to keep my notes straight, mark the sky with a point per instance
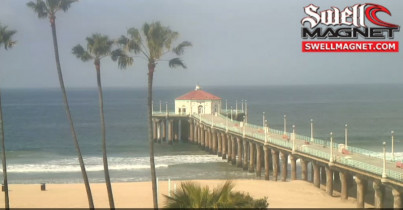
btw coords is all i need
(235, 42)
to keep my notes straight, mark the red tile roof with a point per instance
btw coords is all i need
(198, 95)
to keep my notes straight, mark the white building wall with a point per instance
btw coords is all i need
(193, 106)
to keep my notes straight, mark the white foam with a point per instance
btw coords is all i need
(115, 163)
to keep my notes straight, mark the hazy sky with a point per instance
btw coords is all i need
(235, 42)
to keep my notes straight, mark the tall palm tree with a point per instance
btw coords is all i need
(98, 47)
(7, 42)
(153, 44)
(49, 8)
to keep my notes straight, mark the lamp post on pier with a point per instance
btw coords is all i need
(166, 109)
(384, 161)
(243, 127)
(345, 136)
(246, 110)
(293, 139)
(311, 129)
(393, 144)
(331, 148)
(231, 113)
(160, 106)
(242, 104)
(236, 107)
(285, 125)
(265, 132)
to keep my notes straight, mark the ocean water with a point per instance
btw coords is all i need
(40, 147)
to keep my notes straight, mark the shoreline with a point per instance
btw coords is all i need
(290, 194)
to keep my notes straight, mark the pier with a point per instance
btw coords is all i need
(266, 152)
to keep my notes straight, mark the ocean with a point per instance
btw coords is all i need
(40, 147)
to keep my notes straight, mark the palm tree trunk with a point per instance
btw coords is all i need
(66, 104)
(151, 67)
(105, 158)
(3, 154)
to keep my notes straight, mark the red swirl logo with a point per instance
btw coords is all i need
(371, 11)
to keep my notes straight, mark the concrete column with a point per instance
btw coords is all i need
(224, 145)
(258, 160)
(159, 131)
(199, 135)
(322, 175)
(251, 157)
(379, 190)
(360, 191)
(284, 163)
(276, 163)
(190, 130)
(171, 130)
(316, 175)
(154, 129)
(344, 188)
(266, 162)
(329, 181)
(397, 198)
(164, 130)
(245, 155)
(293, 160)
(207, 140)
(179, 130)
(214, 140)
(304, 169)
(229, 148)
(233, 150)
(219, 143)
(239, 144)
(203, 137)
(176, 134)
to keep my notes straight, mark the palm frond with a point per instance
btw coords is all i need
(99, 45)
(176, 62)
(6, 37)
(122, 58)
(65, 4)
(82, 54)
(179, 50)
(39, 8)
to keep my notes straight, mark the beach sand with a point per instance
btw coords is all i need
(292, 194)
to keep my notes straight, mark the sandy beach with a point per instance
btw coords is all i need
(292, 194)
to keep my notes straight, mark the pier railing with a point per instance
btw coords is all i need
(257, 133)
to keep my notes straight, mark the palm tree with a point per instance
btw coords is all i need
(154, 43)
(7, 42)
(48, 8)
(191, 195)
(98, 47)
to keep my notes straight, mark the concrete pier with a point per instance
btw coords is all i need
(304, 169)
(214, 139)
(171, 130)
(251, 167)
(229, 148)
(239, 160)
(379, 191)
(233, 149)
(284, 164)
(258, 160)
(276, 162)
(293, 160)
(266, 162)
(224, 145)
(361, 185)
(316, 175)
(344, 188)
(219, 143)
(397, 198)
(245, 155)
(329, 181)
